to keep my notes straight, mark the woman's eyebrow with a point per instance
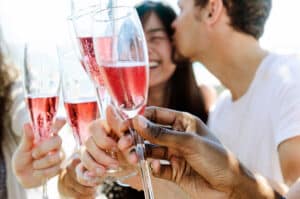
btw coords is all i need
(152, 30)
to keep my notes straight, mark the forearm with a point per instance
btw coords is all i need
(163, 189)
(254, 187)
(167, 190)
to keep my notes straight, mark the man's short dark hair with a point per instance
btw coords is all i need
(247, 16)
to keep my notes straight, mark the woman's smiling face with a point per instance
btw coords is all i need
(159, 50)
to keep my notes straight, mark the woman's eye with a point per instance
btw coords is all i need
(157, 38)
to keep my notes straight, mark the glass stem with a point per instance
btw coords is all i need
(143, 165)
(45, 193)
(101, 103)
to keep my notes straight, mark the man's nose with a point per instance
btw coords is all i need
(174, 24)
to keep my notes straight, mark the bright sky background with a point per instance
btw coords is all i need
(20, 18)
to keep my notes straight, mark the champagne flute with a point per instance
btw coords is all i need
(121, 55)
(81, 25)
(79, 95)
(42, 84)
(81, 22)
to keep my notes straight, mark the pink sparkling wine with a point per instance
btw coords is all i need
(89, 60)
(42, 113)
(80, 114)
(127, 85)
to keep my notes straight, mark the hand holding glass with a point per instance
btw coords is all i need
(41, 83)
(121, 54)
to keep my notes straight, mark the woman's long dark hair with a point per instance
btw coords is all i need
(5, 98)
(183, 93)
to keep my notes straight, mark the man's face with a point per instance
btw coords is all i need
(190, 32)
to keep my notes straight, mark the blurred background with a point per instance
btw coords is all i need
(46, 20)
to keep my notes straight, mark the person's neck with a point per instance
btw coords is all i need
(235, 63)
(156, 96)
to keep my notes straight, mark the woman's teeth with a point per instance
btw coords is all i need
(153, 64)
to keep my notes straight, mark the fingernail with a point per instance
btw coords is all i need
(90, 174)
(87, 176)
(142, 122)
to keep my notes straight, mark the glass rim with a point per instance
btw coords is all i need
(110, 8)
(84, 12)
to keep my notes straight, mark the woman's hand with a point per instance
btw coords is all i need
(34, 164)
(96, 155)
(69, 186)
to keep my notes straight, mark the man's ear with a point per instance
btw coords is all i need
(214, 9)
(211, 12)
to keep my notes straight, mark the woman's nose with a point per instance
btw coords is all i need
(150, 48)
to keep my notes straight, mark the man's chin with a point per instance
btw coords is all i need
(179, 55)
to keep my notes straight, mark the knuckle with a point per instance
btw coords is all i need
(52, 159)
(151, 113)
(46, 173)
(48, 160)
(106, 145)
(93, 126)
(55, 171)
(98, 134)
(103, 146)
(35, 164)
(94, 130)
(37, 152)
(155, 131)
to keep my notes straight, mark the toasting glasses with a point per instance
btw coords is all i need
(81, 20)
(41, 83)
(121, 55)
(79, 96)
(81, 23)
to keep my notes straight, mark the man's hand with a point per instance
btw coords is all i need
(199, 164)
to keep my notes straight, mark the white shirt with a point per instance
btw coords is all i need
(253, 126)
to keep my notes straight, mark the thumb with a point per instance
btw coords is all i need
(157, 134)
(27, 138)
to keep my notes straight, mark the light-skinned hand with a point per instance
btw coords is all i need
(33, 164)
